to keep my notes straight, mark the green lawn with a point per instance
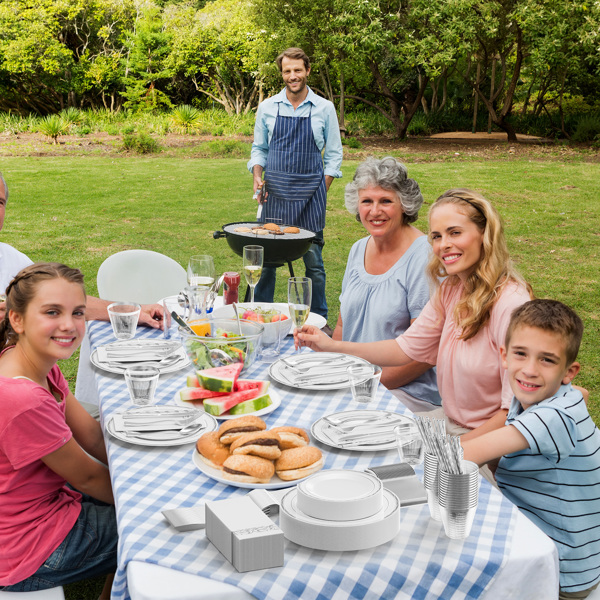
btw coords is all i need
(82, 209)
(79, 210)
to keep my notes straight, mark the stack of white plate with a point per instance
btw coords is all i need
(339, 510)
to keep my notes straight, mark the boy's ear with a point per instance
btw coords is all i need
(503, 356)
(571, 373)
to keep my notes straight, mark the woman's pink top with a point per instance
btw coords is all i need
(471, 380)
(37, 509)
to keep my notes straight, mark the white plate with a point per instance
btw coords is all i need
(319, 430)
(217, 475)
(280, 372)
(210, 422)
(339, 536)
(313, 318)
(275, 403)
(183, 360)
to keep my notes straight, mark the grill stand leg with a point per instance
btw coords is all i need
(248, 294)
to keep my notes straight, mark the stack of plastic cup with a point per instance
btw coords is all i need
(458, 495)
(430, 482)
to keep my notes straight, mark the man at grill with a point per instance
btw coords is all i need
(297, 145)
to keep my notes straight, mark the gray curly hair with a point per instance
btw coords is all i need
(389, 174)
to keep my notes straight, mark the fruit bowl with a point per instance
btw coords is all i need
(222, 344)
(246, 308)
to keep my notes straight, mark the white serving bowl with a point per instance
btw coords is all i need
(270, 329)
(340, 495)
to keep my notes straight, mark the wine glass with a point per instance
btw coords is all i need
(201, 270)
(253, 264)
(201, 276)
(299, 298)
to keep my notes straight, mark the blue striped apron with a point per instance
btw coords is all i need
(295, 176)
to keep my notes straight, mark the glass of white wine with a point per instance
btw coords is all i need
(299, 299)
(253, 264)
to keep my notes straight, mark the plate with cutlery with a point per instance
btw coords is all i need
(160, 425)
(167, 356)
(314, 370)
(361, 430)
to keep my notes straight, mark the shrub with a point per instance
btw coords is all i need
(185, 117)
(588, 128)
(52, 126)
(72, 116)
(142, 143)
(351, 142)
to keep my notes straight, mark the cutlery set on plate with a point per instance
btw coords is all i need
(366, 429)
(159, 423)
(133, 352)
(325, 370)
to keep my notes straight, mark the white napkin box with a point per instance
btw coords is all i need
(244, 535)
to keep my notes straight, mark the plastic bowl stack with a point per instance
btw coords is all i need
(339, 510)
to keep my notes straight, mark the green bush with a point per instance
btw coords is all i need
(588, 128)
(52, 126)
(141, 143)
(351, 142)
(185, 117)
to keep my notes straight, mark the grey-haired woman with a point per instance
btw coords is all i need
(385, 286)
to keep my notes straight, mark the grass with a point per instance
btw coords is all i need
(80, 210)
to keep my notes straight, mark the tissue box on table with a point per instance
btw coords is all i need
(245, 536)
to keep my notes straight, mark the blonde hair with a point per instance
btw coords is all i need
(494, 270)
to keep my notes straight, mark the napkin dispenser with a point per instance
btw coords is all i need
(243, 534)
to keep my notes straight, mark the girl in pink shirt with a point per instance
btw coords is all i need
(57, 519)
(462, 327)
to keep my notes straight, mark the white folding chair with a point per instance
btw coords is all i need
(55, 593)
(140, 276)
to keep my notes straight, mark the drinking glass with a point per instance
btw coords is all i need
(201, 276)
(253, 264)
(299, 298)
(201, 271)
(124, 319)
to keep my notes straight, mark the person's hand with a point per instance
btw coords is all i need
(151, 315)
(312, 337)
(2, 310)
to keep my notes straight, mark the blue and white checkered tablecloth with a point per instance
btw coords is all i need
(421, 562)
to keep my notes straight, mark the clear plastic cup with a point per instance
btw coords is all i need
(124, 319)
(364, 380)
(141, 382)
(409, 444)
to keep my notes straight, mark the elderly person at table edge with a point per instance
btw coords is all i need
(292, 129)
(385, 286)
(12, 261)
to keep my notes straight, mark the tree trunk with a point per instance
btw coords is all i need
(342, 121)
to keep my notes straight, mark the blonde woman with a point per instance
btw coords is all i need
(463, 326)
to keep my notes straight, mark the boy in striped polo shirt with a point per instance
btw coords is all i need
(549, 448)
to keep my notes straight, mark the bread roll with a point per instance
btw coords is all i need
(291, 437)
(260, 443)
(232, 429)
(211, 450)
(245, 468)
(297, 463)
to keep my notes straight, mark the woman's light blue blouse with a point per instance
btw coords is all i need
(381, 307)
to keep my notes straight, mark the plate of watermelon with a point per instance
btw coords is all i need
(222, 393)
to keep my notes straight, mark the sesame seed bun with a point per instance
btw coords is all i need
(291, 437)
(245, 468)
(297, 463)
(232, 429)
(260, 443)
(211, 450)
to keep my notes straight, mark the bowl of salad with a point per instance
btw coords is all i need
(263, 313)
(217, 342)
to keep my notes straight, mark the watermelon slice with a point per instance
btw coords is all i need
(250, 406)
(217, 406)
(198, 393)
(248, 384)
(220, 379)
(192, 381)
